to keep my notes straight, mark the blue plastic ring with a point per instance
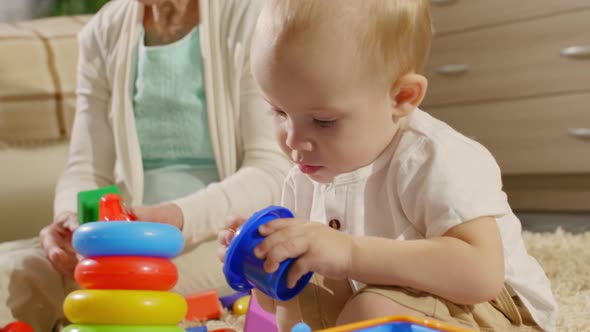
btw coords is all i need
(128, 238)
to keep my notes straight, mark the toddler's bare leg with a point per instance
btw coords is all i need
(366, 306)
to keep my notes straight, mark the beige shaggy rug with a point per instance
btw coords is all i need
(566, 259)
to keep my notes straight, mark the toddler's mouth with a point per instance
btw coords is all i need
(309, 169)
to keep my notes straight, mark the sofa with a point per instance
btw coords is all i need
(38, 61)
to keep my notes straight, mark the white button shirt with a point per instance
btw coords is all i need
(428, 180)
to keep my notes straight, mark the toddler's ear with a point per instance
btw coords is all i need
(407, 93)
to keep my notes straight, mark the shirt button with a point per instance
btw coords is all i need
(335, 224)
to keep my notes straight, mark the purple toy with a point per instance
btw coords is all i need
(258, 320)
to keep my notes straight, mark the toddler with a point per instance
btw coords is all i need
(398, 213)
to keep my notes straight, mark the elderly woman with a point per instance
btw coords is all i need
(167, 110)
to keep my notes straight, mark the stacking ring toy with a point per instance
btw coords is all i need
(124, 307)
(244, 271)
(122, 328)
(128, 238)
(126, 272)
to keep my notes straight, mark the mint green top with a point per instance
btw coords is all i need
(171, 119)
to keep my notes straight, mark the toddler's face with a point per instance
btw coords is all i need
(327, 118)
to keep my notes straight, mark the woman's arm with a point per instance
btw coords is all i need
(465, 265)
(258, 181)
(91, 159)
(261, 165)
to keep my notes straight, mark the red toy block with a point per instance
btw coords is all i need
(203, 305)
(112, 208)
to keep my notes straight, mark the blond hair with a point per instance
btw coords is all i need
(392, 36)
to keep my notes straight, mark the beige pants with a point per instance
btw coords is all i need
(320, 303)
(33, 292)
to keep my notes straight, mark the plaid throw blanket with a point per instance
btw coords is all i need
(38, 79)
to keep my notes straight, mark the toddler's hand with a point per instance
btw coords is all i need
(317, 247)
(56, 241)
(225, 236)
(168, 213)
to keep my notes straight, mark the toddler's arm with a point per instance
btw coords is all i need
(465, 265)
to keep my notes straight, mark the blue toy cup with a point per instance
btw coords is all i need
(244, 271)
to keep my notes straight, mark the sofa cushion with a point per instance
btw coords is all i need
(27, 179)
(38, 78)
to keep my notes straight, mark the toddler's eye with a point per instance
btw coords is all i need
(324, 123)
(279, 113)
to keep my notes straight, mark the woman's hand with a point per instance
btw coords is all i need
(168, 213)
(226, 235)
(56, 241)
(316, 247)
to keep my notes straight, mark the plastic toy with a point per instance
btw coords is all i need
(258, 320)
(122, 328)
(197, 329)
(124, 307)
(17, 326)
(88, 203)
(126, 272)
(243, 270)
(301, 327)
(128, 239)
(203, 305)
(240, 307)
(112, 208)
(390, 324)
(227, 301)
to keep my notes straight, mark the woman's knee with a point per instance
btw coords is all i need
(31, 289)
(366, 305)
(23, 255)
(200, 270)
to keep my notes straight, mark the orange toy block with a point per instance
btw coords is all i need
(203, 306)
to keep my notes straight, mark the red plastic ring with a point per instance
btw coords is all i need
(126, 272)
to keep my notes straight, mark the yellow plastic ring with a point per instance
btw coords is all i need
(122, 328)
(125, 307)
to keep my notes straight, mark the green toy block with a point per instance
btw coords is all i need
(88, 203)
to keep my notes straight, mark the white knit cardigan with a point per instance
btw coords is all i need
(104, 146)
